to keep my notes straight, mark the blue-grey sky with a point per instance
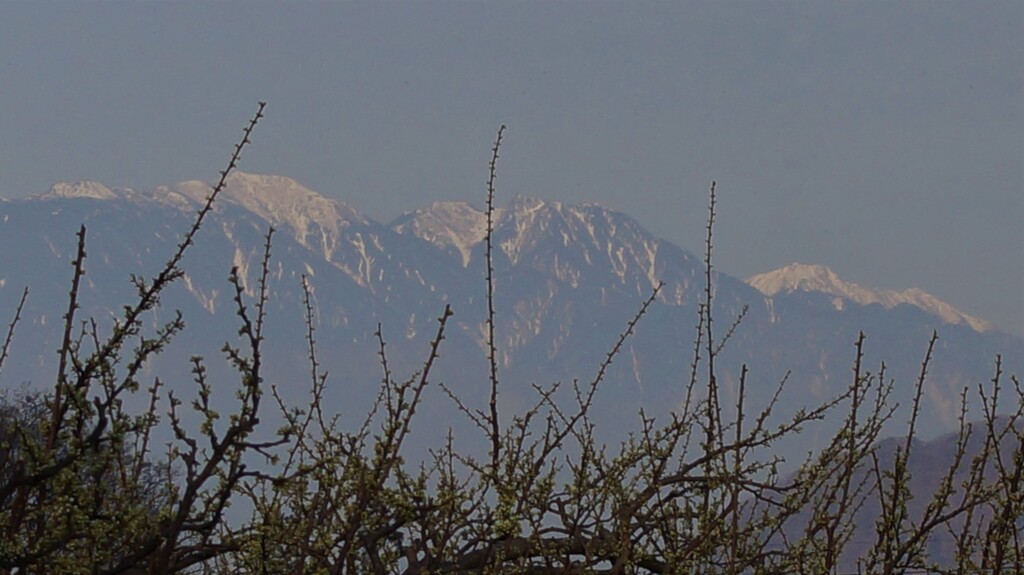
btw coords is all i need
(885, 140)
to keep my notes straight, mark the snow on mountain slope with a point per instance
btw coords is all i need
(817, 278)
(340, 234)
(83, 189)
(329, 227)
(444, 224)
(578, 244)
(566, 240)
(282, 202)
(603, 238)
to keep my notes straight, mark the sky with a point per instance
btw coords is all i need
(884, 140)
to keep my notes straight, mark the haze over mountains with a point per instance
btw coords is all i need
(568, 279)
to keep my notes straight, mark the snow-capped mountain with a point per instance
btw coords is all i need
(84, 189)
(455, 225)
(817, 278)
(602, 238)
(281, 201)
(568, 280)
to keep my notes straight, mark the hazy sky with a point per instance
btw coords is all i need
(885, 140)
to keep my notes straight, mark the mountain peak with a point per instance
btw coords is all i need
(806, 277)
(80, 189)
(820, 279)
(444, 224)
(529, 204)
(279, 200)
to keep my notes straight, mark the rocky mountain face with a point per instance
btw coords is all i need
(568, 278)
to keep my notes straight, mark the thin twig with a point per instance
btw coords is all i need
(10, 328)
(492, 352)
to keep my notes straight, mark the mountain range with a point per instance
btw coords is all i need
(568, 278)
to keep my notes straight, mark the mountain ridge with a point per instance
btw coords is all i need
(568, 279)
(821, 279)
(316, 221)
